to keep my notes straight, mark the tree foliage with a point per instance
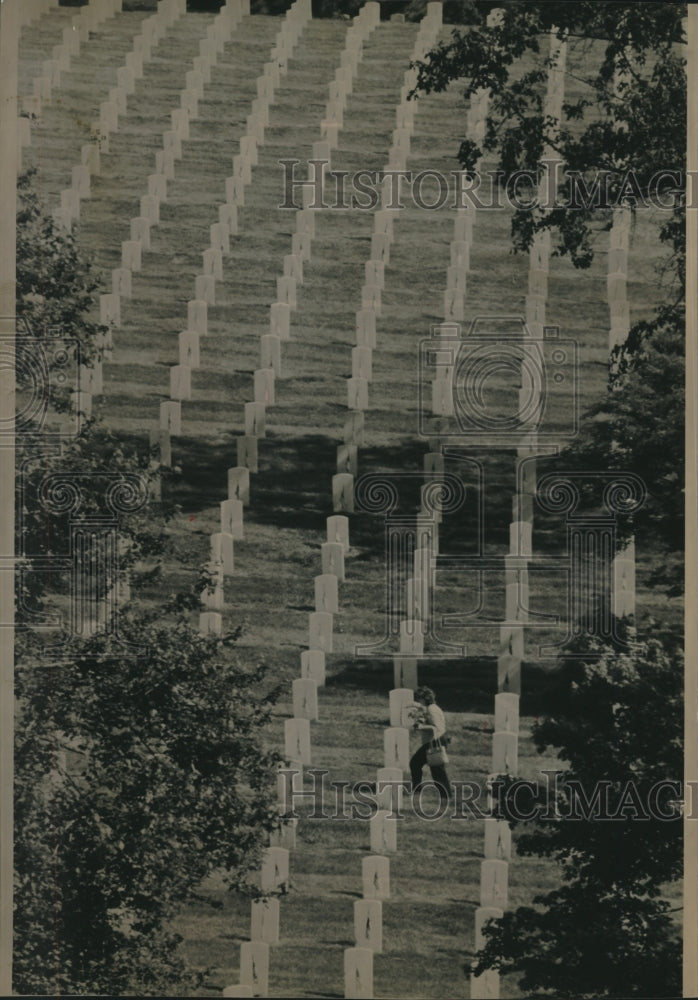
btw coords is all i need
(56, 283)
(140, 759)
(629, 122)
(607, 930)
(632, 122)
(139, 771)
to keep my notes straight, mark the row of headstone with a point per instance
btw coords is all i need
(152, 30)
(50, 76)
(371, 292)
(88, 19)
(170, 421)
(497, 852)
(210, 48)
(220, 232)
(297, 740)
(476, 118)
(358, 960)
(368, 925)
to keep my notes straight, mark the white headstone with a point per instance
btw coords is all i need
(506, 713)
(497, 840)
(164, 164)
(511, 641)
(293, 267)
(297, 739)
(509, 673)
(157, 186)
(301, 245)
(400, 700)
(286, 291)
(228, 218)
(494, 877)
(180, 382)
(210, 623)
(343, 492)
(357, 394)
(280, 320)
(121, 282)
(239, 484)
(247, 453)
(89, 156)
(313, 666)
(189, 348)
(333, 559)
(338, 530)
(505, 753)
(375, 876)
(232, 518)
(265, 920)
(197, 316)
(396, 747)
(220, 239)
(131, 255)
(205, 288)
(371, 298)
(389, 788)
(254, 966)
(383, 831)
(110, 310)
(140, 230)
(235, 191)
(362, 363)
(222, 551)
(358, 973)
(368, 924)
(366, 328)
(172, 141)
(270, 352)
(285, 834)
(213, 262)
(264, 386)
(305, 703)
(289, 782)
(274, 871)
(171, 417)
(326, 593)
(320, 631)
(380, 247)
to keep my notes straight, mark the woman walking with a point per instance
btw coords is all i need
(431, 724)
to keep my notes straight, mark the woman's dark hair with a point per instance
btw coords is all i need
(425, 695)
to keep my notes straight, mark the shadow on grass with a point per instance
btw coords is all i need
(460, 685)
(293, 488)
